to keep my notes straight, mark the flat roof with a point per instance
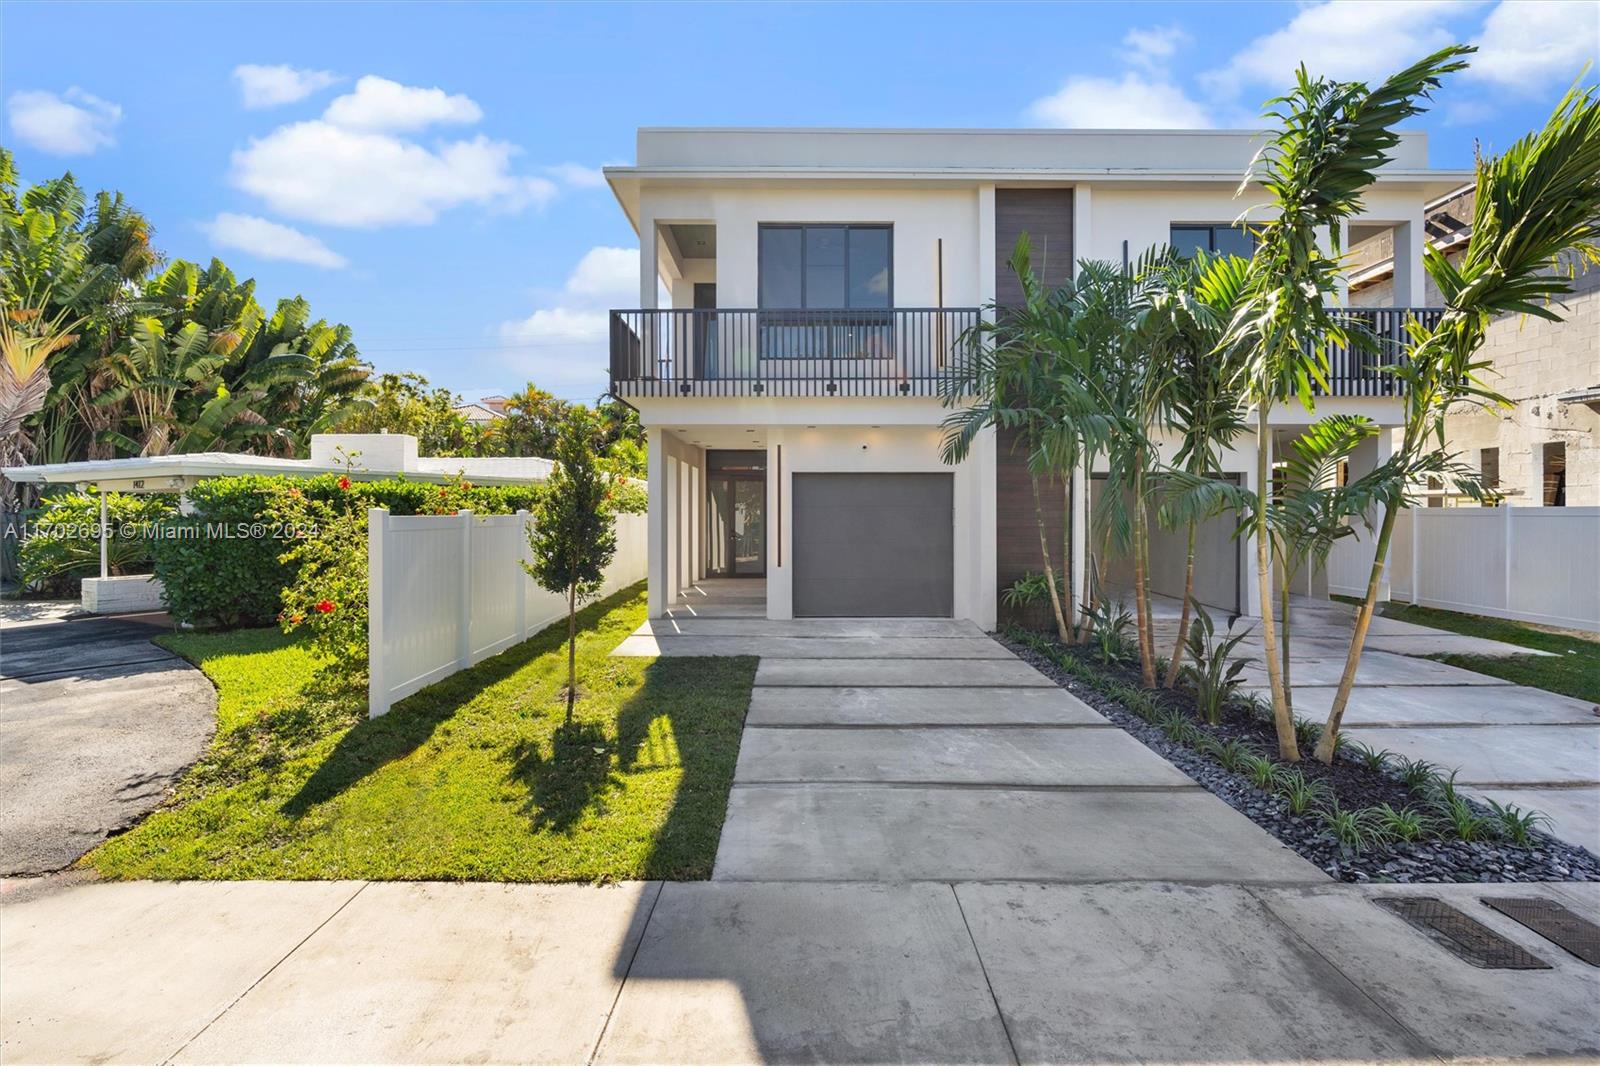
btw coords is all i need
(764, 153)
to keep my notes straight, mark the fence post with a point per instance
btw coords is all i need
(1416, 567)
(377, 674)
(464, 619)
(522, 578)
(1505, 505)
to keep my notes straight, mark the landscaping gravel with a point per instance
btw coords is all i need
(1432, 860)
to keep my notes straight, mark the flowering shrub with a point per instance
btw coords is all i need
(328, 594)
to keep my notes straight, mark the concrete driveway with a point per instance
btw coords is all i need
(96, 724)
(896, 750)
(1511, 743)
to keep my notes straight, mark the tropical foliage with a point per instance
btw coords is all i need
(111, 351)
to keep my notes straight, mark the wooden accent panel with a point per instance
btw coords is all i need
(1016, 526)
(1046, 216)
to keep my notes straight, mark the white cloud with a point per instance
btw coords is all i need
(1153, 46)
(564, 344)
(352, 168)
(270, 86)
(1527, 45)
(381, 104)
(1346, 39)
(577, 175)
(1134, 101)
(72, 123)
(269, 240)
(606, 274)
(323, 173)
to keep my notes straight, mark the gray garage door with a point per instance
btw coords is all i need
(873, 545)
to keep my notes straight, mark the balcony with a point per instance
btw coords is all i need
(901, 352)
(1357, 373)
(722, 352)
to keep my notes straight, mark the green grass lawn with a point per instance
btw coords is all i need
(475, 778)
(1573, 669)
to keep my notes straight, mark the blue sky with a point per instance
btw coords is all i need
(429, 174)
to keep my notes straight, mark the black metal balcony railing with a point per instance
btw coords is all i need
(1353, 370)
(899, 352)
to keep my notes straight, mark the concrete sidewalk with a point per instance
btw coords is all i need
(764, 972)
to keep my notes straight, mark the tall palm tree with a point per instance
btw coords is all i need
(1536, 202)
(1207, 409)
(1018, 373)
(1332, 139)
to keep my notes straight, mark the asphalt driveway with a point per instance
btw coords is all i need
(96, 723)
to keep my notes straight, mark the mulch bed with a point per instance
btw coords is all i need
(1353, 784)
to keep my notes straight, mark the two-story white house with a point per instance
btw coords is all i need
(819, 281)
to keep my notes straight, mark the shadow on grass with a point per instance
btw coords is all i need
(373, 743)
(686, 715)
(562, 785)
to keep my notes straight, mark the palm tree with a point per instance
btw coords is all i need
(1535, 203)
(1333, 138)
(1207, 410)
(1131, 375)
(1017, 374)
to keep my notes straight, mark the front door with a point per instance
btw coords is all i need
(736, 513)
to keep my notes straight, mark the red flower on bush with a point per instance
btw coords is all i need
(323, 607)
(294, 494)
(443, 491)
(344, 482)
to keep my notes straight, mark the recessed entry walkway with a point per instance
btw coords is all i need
(897, 750)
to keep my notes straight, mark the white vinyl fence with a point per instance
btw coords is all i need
(1531, 564)
(445, 592)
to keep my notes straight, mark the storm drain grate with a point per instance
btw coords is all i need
(1554, 922)
(1466, 937)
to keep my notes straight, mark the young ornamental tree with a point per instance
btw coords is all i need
(572, 535)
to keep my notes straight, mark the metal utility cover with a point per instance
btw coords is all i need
(1554, 922)
(1467, 938)
(874, 545)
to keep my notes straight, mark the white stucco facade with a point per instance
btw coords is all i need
(937, 190)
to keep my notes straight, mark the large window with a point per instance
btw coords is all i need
(825, 266)
(1188, 238)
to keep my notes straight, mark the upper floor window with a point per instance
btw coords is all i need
(825, 266)
(1218, 239)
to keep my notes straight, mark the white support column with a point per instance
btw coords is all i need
(649, 286)
(105, 533)
(377, 674)
(669, 509)
(656, 520)
(1409, 290)
(986, 249)
(1082, 230)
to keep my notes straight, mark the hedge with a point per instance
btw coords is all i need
(63, 544)
(223, 563)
